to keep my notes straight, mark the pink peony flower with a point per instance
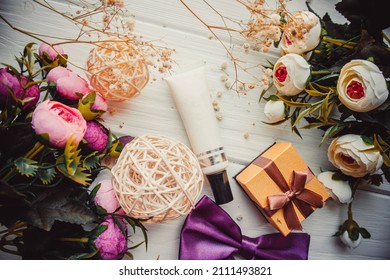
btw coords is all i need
(96, 136)
(52, 52)
(9, 81)
(59, 121)
(92, 105)
(106, 198)
(111, 243)
(100, 103)
(67, 83)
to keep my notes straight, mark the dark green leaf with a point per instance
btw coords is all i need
(131, 222)
(339, 176)
(264, 91)
(367, 140)
(94, 192)
(91, 161)
(100, 210)
(364, 233)
(119, 224)
(136, 246)
(327, 77)
(375, 179)
(46, 173)
(58, 205)
(26, 167)
(98, 230)
(331, 132)
(84, 256)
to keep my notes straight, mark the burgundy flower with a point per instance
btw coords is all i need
(96, 136)
(112, 243)
(8, 81)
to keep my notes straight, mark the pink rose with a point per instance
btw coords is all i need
(96, 136)
(52, 52)
(106, 198)
(8, 81)
(111, 243)
(59, 121)
(67, 83)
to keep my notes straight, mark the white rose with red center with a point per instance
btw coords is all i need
(350, 154)
(301, 34)
(290, 75)
(361, 86)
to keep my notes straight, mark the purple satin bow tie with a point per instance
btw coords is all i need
(209, 233)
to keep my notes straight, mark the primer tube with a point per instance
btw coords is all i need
(193, 102)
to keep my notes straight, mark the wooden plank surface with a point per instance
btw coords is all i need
(168, 22)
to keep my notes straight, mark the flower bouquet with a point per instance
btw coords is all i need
(328, 76)
(335, 78)
(53, 145)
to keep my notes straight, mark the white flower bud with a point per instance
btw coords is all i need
(339, 190)
(274, 110)
(349, 242)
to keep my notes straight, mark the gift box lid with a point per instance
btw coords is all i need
(258, 185)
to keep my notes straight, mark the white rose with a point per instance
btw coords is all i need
(361, 86)
(347, 154)
(339, 190)
(344, 237)
(302, 33)
(274, 110)
(290, 74)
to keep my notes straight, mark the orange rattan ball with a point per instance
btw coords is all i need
(117, 70)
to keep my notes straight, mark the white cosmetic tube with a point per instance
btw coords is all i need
(193, 102)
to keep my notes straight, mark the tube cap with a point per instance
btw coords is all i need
(220, 186)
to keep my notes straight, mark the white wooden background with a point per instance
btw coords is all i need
(168, 22)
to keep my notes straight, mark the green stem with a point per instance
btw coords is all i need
(321, 72)
(340, 43)
(38, 147)
(350, 212)
(74, 239)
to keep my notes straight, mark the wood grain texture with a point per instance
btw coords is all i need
(168, 22)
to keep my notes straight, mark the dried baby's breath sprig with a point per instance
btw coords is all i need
(259, 33)
(101, 21)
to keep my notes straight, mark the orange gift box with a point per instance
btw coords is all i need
(283, 187)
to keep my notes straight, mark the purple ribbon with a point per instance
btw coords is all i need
(209, 233)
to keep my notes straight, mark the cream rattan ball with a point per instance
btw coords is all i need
(157, 177)
(117, 70)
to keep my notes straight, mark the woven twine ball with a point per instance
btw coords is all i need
(158, 178)
(117, 70)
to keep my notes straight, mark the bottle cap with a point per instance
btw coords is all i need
(220, 186)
